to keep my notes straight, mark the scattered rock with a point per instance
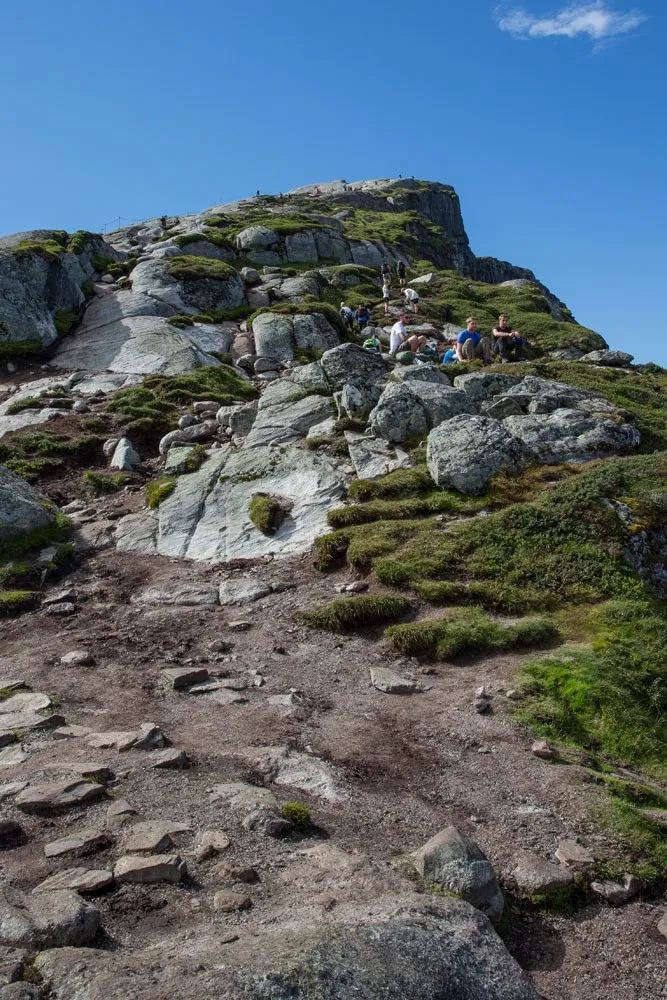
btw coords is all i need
(28, 702)
(11, 789)
(60, 796)
(242, 591)
(172, 759)
(78, 879)
(268, 823)
(57, 920)
(70, 732)
(146, 870)
(542, 749)
(456, 863)
(62, 608)
(81, 843)
(234, 873)
(662, 925)
(125, 458)
(615, 893)
(78, 658)
(391, 683)
(119, 813)
(211, 842)
(611, 359)
(231, 902)
(239, 625)
(573, 855)
(182, 677)
(482, 702)
(154, 836)
(536, 877)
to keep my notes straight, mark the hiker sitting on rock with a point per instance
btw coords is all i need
(363, 316)
(411, 299)
(506, 341)
(346, 315)
(400, 342)
(470, 343)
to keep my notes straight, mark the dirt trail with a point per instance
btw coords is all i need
(405, 766)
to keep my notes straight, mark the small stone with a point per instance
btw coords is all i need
(58, 797)
(482, 701)
(615, 893)
(268, 824)
(119, 813)
(236, 874)
(80, 407)
(172, 758)
(211, 842)
(513, 695)
(81, 843)
(662, 925)
(79, 879)
(11, 833)
(535, 876)
(544, 750)
(146, 870)
(240, 625)
(182, 677)
(285, 700)
(220, 646)
(62, 608)
(389, 682)
(78, 658)
(573, 855)
(231, 902)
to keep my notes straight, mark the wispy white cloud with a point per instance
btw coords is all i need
(596, 20)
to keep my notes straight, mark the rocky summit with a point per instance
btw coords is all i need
(326, 670)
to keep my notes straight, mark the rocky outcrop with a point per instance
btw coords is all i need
(279, 336)
(411, 408)
(41, 279)
(465, 452)
(22, 509)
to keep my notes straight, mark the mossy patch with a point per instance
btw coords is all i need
(13, 602)
(102, 483)
(187, 268)
(66, 322)
(40, 453)
(469, 630)
(266, 513)
(158, 490)
(297, 813)
(15, 349)
(357, 612)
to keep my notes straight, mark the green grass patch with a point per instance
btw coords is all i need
(469, 630)
(102, 483)
(397, 510)
(210, 235)
(13, 602)
(49, 249)
(66, 322)
(184, 320)
(297, 813)
(402, 483)
(15, 349)
(158, 490)
(16, 547)
(356, 612)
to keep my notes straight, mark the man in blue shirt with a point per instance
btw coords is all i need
(470, 343)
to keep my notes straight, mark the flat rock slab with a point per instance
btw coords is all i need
(185, 594)
(12, 755)
(242, 591)
(243, 798)
(60, 796)
(28, 701)
(154, 836)
(146, 870)
(147, 737)
(303, 771)
(172, 758)
(535, 876)
(119, 813)
(11, 788)
(29, 721)
(573, 855)
(182, 677)
(78, 879)
(391, 683)
(373, 457)
(55, 920)
(83, 842)
(70, 732)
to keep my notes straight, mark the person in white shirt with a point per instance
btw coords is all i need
(411, 299)
(400, 340)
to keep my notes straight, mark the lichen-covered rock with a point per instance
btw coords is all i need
(289, 420)
(482, 385)
(22, 509)
(188, 288)
(466, 451)
(278, 336)
(609, 359)
(398, 415)
(351, 363)
(571, 435)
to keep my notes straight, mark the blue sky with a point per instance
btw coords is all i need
(548, 119)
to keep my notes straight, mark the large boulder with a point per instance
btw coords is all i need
(256, 238)
(22, 509)
(465, 452)
(351, 363)
(456, 863)
(410, 409)
(49, 920)
(39, 278)
(289, 420)
(483, 385)
(279, 336)
(190, 284)
(571, 435)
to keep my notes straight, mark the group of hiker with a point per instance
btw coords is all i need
(470, 344)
